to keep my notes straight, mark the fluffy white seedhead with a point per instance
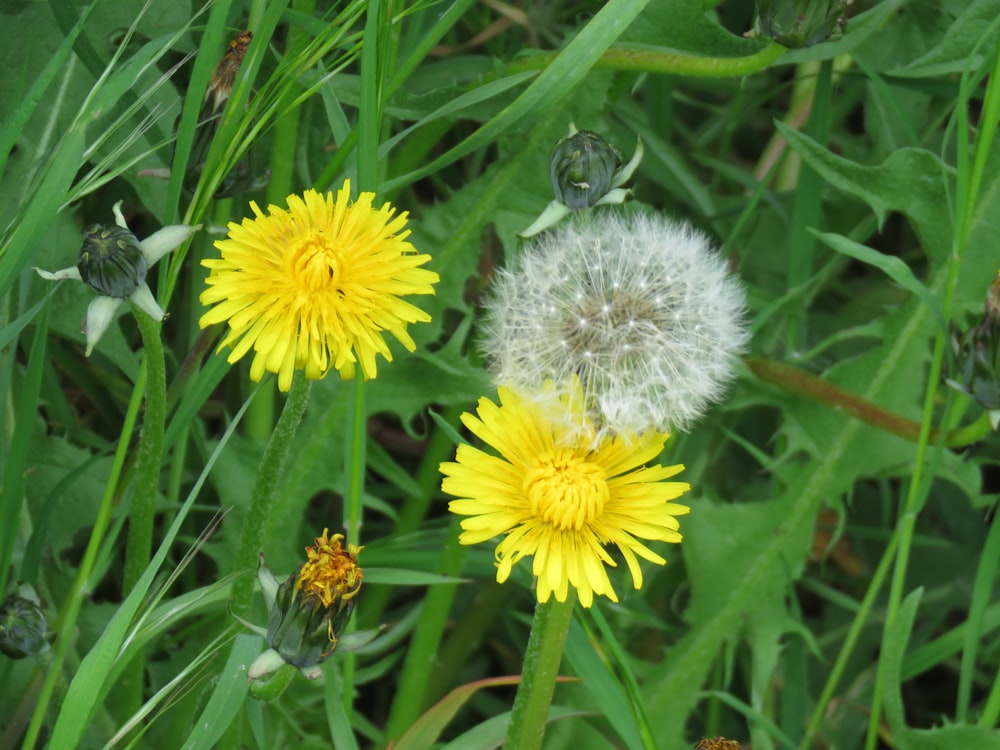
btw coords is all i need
(640, 307)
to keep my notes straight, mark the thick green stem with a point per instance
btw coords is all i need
(148, 461)
(146, 482)
(538, 676)
(272, 466)
(672, 63)
(806, 384)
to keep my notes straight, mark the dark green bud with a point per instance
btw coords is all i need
(801, 23)
(111, 261)
(301, 628)
(582, 168)
(22, 625)
(977, 355)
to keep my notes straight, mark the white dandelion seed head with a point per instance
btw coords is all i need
(641, 308)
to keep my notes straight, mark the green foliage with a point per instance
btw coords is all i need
(837, 579)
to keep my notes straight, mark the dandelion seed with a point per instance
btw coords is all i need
(669, 336)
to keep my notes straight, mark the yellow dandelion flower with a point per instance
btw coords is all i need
(314, 286)
(560, 490)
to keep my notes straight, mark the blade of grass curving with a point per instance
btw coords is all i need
(228, 696)
(42, 206)
(91, 677)
(17, 118)
(10, 332)
(975, 624)
(753, 717)
(186, 679)
(204, 64)
(551, 86)
(15, 463)
(891, 266)
(600, 680)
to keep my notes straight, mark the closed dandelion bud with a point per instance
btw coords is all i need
(22, 625)
(977, 356)
(310, 609)
(111, 261)
(640, 308)
(582, 168)
(801, 23)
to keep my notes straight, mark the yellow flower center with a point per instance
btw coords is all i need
(313, 261)
(566, 491)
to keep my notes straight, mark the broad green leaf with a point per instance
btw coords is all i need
(428, 728)
(892, 266)
(910, 180)
(229, 694)
(965, 46)
(891, 659)
(404, 577)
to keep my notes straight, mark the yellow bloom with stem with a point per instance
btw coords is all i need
(560, 490)
(315, 286)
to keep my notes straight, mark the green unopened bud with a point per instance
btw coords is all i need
(977, 356)
(22, 624)
(582, 168)
(111, 261)
(801, 23)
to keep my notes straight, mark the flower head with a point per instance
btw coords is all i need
(114, 264)
(309, 610)
(560, 491)
(977, 357)
(802, 23)
(314, 286)
(586, 171)
(641, 308)
(23, 629)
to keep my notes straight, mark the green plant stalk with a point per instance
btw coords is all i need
(146, 482)
(272, 467)
(859, 622)
(538, 676)
(15, 461)
(65, 624)
(991, 710)
(422, 653)
(369, 127)
(806, 384)
(808, 195)
(981, 594)
(968, 184)
(669, 63)
(260, 418)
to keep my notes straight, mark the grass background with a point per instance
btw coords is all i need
(835, 587)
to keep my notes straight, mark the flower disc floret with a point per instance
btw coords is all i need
(315, 286)
(641, 308)
(559, 491)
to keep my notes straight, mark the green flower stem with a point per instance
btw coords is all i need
(538, 676)
(272, 466)
(806, 384)
(65, 624)
(148, 460)
(272, 688)
(145, 483)
(671, 63)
